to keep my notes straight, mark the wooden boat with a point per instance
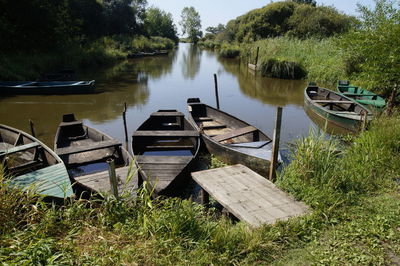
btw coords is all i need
(360, 95)
(85, 151)
(166, 146)
(336, 108)
(47, 87)
(31, 164)
(230, 139)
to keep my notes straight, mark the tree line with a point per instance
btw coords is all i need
(45, 24)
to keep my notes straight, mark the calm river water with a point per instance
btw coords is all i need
(165, 82)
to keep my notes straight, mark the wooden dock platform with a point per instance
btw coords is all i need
(100, 182)
(248, 196)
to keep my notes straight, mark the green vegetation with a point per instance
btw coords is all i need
(354, 197)
(191, 24)
(47, 35)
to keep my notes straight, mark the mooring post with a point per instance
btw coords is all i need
(32, 128)
(113, 177)
(125, 127)
(216, 90)
(204, 197)
(275, 145)
(258, 50)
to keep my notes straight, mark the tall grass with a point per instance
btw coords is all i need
(322, 60)
(106, 50)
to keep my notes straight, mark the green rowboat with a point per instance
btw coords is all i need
(362, 96)
(336, 108)
(32, 165)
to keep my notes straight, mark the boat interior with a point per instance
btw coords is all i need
(165, 133)
(333, 101)
(20, 154)
(226, 129)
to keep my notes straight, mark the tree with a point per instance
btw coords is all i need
(160, 23)
(215, 30)
(376, 45)
(191, 24)
(307, 2)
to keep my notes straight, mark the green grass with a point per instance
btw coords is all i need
(354, 220)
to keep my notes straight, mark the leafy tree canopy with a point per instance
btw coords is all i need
(191, 24)
(160, 23)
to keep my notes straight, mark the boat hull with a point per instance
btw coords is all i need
(362, 96)
(349, 121)
(47, 88)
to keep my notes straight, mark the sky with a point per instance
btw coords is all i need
(213, 12)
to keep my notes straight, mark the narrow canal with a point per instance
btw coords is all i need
(165, 82)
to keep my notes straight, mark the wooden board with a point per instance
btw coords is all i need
(20, 148)
(88, 147)
(235, 133)
(333, 101)
(248, 196)
(166, 133)
(100, 182)
(167, 114)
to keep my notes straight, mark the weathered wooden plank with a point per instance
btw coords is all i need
(167, 114)
(169, 147)
(143, 159)
(333, 101)
(203, 119)
(88, 147)
(235, 133)
(20, 148)
(248, 196)
(165, 133)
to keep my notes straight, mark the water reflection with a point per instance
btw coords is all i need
(191, 61)
(270, 91)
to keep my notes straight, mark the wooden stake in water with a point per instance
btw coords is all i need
(275, 146)
(113, 177)
(258, 50)
(125, 127)
(32, 128)
(216, 90)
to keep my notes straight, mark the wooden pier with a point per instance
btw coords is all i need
(247, 195)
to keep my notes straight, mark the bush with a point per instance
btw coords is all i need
(229, 51)
(282, 69)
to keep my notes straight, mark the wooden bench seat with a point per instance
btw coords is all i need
(169, 147)
(235, 133)
(20, 148)
(166, 133)
(88, 147)
(73, 123)
(334, 101)
(179, 114)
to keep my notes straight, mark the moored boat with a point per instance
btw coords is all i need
(85, 152)
(360, 95)
(166, 146)
(31, 164)
(336, 108)
(47, 87)
(230, 139)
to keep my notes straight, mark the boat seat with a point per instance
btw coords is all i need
(89, 147)
(165, 133)
(333, 101)
(169, 147)
(234, 133)
(169, 113)
(20, 148)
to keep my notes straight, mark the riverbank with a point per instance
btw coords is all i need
(354, 197)
(30, 65)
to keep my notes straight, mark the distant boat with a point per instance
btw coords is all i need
(166, 146)
(85, 151)
(360, 95)
(230, 139)
(145, 54)
(336, 108)
(31, 164)
(47, 87)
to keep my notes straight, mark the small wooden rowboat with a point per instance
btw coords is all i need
(338, 109)
(230, 139)
(31, 164)
(85, 151)
(166, 146)
(360, 95)
(47, 87)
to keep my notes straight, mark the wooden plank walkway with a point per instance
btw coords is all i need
(248, 196)
(100, 181)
